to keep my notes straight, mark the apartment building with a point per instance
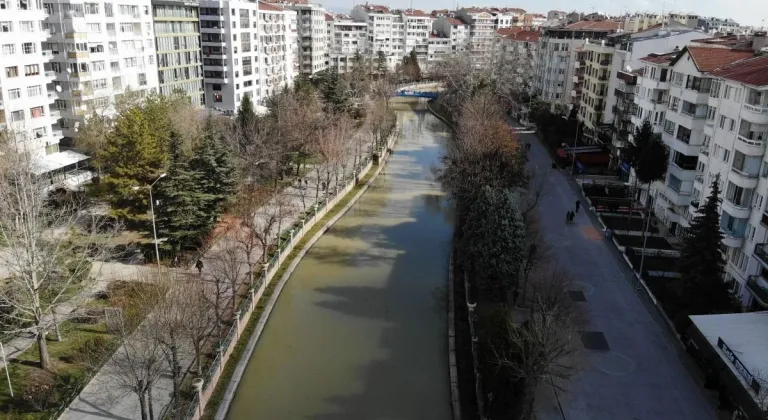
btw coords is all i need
(247, 50)
(177, 42)
(312, 33)
(439, 49)
(642, 21)
(627, 48)
(736, 134)
(519, 42)
(482, 30)
(534, 20)
(348, 39)
(453, 29)
(560, 64)
(418, 26)
(99, 52)
(386, 31)
(27, 95)
(274, 52)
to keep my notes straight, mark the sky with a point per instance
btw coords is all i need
(746, 12)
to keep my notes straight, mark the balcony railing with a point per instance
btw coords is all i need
(756, 108)
(758, 286)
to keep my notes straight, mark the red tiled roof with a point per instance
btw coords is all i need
(328, 17)
(660, 58)
(376, 8)
(454, 21)
(509, 31)
(536, 15)
(751, 71)
(266, 6)
(711, 59)
(527, 36)
(415, 12)
(598, 25)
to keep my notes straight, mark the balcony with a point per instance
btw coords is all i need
(750, 147)
(737, 210)
(732, 238)
(761, 252)
(758, 287)
(579, 64)
(757, 114)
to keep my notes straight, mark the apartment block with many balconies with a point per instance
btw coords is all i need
(738, 131)
(27, 94)
(482, 31)
(312, 33)
(386, 32)
(453, 29)
(275, 58)
(561, 62)
(418, 26)
(598, 58)
(348, 39)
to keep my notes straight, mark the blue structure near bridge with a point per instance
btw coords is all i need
(417, 94)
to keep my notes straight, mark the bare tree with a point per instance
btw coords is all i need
(226, 263)
(246, 229)
(268, 220)
(200, 318)
(47, 253)
(543, 344)
(536, 180)
(342, 132)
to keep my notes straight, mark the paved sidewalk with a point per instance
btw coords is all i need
(639, 372)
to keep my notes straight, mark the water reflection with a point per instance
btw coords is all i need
(359, 331)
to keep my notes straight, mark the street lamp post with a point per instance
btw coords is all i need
(575, 139)
(152, 210)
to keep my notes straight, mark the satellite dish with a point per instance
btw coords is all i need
(58, 88)
(69, 71)
(629, 68)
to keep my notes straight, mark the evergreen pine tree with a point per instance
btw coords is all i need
(411, 66)
(245, 121)
(701, 289)
(130, 157)
(214, 173)
(492, 247)
(333, 92)
(381, 63)
(181, 214)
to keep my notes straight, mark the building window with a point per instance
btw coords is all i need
(17, 116)
(33, 91)
(31, 70)
(29, 48)
(14, 93)
(218, 98)
(9, 49)
(12, 71)
(36, 112)
(6, 26)
(142, 79)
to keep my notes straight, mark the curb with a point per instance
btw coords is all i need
(242, 364)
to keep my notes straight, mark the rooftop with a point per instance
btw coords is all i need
(598, 25)
(751, 71)
(519, 34)
(660, 58)
(328, 17)
(264, 6)
(454, 21)
(726, 41)
(415, 12)
(710, 59)
(375, 8)
(746, 334)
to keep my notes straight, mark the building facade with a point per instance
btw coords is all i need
(348, 39)
(453, 29)
(177, 42)
(312, 33)
(418, 26)
(482, 30)
(386, 32)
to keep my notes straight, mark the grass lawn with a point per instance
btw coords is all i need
(237, 354)
(39, 394)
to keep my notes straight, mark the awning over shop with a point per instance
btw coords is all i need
(58, 160)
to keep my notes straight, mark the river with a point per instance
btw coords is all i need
(360, 329)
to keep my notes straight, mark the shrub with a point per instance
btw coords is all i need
(39, 389)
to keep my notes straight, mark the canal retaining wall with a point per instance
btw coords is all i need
(237, 375)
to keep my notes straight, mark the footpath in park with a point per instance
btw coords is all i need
(630, 365)
(101, 399)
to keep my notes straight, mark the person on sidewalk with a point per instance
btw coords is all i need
(199, 266)
(578, 204)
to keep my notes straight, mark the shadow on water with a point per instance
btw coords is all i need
(360, 330)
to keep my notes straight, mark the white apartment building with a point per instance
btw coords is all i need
(482, 30)
(312, 34)
(418, 26)
(26, 94)
(559, 70)
(100, 51)
(439, 49)
(453, 29)
(348, 38)
(736, 137)
(249, 51)
(534, 20)
(386, 31)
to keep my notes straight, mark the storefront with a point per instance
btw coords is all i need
(731, 349)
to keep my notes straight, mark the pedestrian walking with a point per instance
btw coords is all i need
(175, 262)
(568, 217)
(578, 204)
(573, 216)
(199, 266)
